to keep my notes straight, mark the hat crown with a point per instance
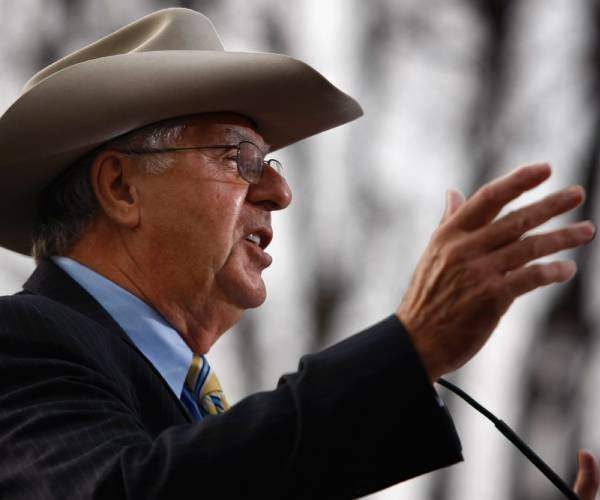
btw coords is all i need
(167, 29)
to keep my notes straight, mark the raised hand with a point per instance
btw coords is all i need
(475, 266)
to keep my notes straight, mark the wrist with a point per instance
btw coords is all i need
(427, 353)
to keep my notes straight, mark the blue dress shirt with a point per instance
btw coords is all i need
(148, 330)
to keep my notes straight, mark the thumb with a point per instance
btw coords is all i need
(588, 476)
(454, 200)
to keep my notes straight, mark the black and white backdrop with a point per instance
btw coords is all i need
(455, 92)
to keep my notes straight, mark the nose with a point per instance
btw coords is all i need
(272, 191)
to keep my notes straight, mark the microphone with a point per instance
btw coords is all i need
(514, 439)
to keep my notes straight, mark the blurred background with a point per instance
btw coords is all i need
(455, 92)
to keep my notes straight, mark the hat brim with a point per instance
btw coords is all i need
(83, 106)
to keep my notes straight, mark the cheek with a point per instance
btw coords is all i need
(219, 217)
(198, 226)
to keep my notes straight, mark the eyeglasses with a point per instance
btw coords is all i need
(250, 159)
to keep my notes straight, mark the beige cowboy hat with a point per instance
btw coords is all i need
(169, 63)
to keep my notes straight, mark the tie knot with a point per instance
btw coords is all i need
(204, 385)
(198, 373)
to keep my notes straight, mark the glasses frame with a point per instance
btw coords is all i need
(273, 163)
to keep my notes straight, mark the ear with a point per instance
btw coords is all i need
(113, 177)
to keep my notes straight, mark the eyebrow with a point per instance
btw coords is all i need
(234, 135)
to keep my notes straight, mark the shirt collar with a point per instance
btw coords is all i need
(148, 330)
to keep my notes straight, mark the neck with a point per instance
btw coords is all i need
(200, 316)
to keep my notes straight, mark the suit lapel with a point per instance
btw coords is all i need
(51, 281)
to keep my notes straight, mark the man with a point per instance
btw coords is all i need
(137, 169)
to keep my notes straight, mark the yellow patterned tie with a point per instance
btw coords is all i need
(203, 389)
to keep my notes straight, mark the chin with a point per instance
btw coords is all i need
(256, 298)
(241, 282)
(245, 295)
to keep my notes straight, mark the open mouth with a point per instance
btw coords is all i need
(259, 237)
(254, 238)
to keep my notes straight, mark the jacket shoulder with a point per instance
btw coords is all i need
(26, 302)
(35, 312)
(44, 325)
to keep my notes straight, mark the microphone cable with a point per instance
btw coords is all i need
(514, 439)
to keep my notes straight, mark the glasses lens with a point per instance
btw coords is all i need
(250, 162)
(276, 165)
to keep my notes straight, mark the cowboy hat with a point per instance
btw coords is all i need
(167, 64)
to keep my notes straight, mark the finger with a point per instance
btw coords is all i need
(454, 199)
(529, 278)
(512, 226)
(487, 202)
(521, 252)
(588, 476)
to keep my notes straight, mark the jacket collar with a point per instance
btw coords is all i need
(52, 282)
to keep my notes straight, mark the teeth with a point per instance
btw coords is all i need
(253, 238)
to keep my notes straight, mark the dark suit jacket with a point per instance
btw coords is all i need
(84, 415)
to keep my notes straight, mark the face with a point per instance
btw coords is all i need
(203, 229)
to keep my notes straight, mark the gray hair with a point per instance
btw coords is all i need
(68, 206)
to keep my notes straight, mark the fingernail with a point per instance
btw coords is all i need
(539, 168)
(586, 228)
(573, 192)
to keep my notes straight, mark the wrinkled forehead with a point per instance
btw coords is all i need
(221, 128)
